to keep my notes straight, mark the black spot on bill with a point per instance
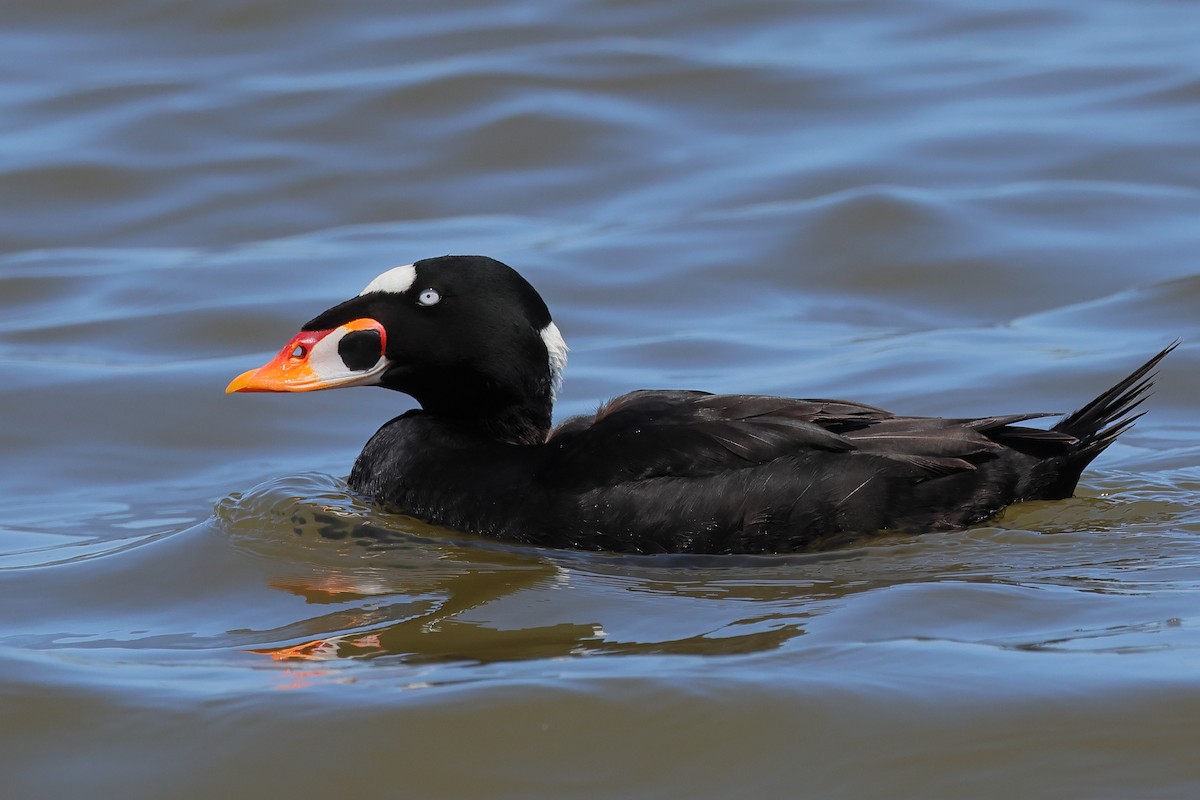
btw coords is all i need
(360, 349)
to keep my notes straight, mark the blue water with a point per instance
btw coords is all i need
(936, 208)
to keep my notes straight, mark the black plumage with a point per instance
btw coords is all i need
(673, 471)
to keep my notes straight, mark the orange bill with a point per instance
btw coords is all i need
(314, 360)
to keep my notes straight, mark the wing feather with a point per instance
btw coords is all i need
(658, 433)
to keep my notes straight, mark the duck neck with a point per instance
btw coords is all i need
(513, 424)
(501, 413)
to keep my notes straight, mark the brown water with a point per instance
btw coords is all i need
(941, 208)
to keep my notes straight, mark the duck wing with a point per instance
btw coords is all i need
(661, 433)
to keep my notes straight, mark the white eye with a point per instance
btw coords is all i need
(429, 297)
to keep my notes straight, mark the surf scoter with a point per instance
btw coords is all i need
(652, 471)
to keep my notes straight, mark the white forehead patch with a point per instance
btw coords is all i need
(556, 347)
(396, 280)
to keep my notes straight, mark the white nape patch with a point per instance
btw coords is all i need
(396, 280)
(556, 347)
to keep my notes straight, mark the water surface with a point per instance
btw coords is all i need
(940, 208)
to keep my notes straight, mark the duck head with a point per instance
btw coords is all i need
(466, 336)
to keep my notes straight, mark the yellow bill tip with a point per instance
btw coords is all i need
(242, 383)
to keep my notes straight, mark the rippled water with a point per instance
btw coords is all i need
(940, 208)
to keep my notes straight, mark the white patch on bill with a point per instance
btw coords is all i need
(396, 280)
(556, 348)
(327, 365)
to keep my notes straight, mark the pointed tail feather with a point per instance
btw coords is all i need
(1100, 422)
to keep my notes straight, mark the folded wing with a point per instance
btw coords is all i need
(657, 433)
